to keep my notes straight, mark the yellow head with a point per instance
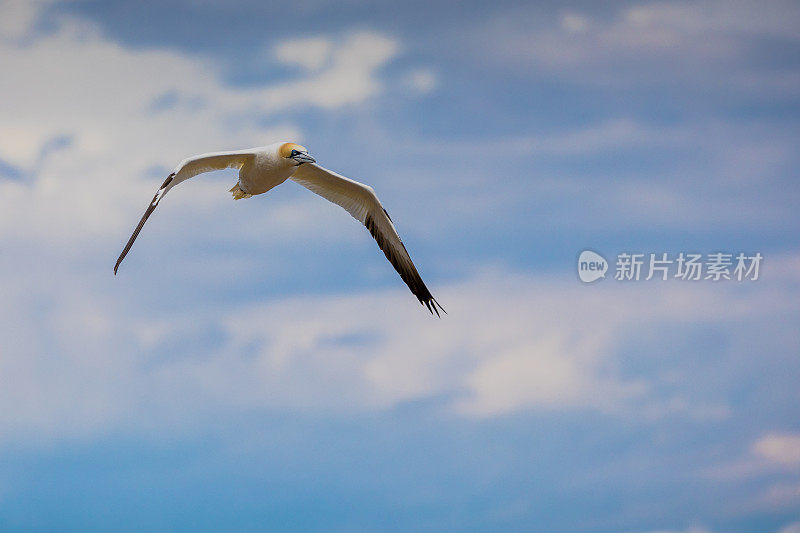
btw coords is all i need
(295, 152)
(286, 149)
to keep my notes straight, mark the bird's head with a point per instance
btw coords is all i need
(295, 154)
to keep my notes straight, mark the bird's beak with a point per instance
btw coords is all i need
(303, 157)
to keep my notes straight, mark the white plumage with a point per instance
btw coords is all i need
(261, 169)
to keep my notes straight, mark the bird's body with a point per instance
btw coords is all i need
(260, 169)
(264, 171)
(264, 168)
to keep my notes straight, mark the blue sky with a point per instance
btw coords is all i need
(259, 365)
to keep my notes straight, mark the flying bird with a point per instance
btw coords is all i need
(261, 169)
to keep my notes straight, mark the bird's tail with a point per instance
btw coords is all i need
(238, 193)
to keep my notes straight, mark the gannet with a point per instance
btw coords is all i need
(263, 168)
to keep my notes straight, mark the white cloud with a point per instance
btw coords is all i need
(88, 359)
(621, 133)
(350, 77)
(781, 449)
(88, 122)
(785, 495)
(550, 372)
(311, 53)
(728, 188)
(770, 465)
(17, 17)
(703, 42)
(98, 97)
(575, 22)
(794, 527)
(422, 81)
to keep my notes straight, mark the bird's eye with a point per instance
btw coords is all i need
(294, 153)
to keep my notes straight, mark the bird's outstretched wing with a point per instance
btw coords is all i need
(360, 201)
(185, 170)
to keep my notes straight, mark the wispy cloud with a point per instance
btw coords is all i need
(648, 43)
(350, 78)
(104, 105)
(781, 449)
(794, 527)
(527, 345)
(311, 53)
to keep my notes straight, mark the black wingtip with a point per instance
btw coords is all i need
(147, 213)
(433, 306)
